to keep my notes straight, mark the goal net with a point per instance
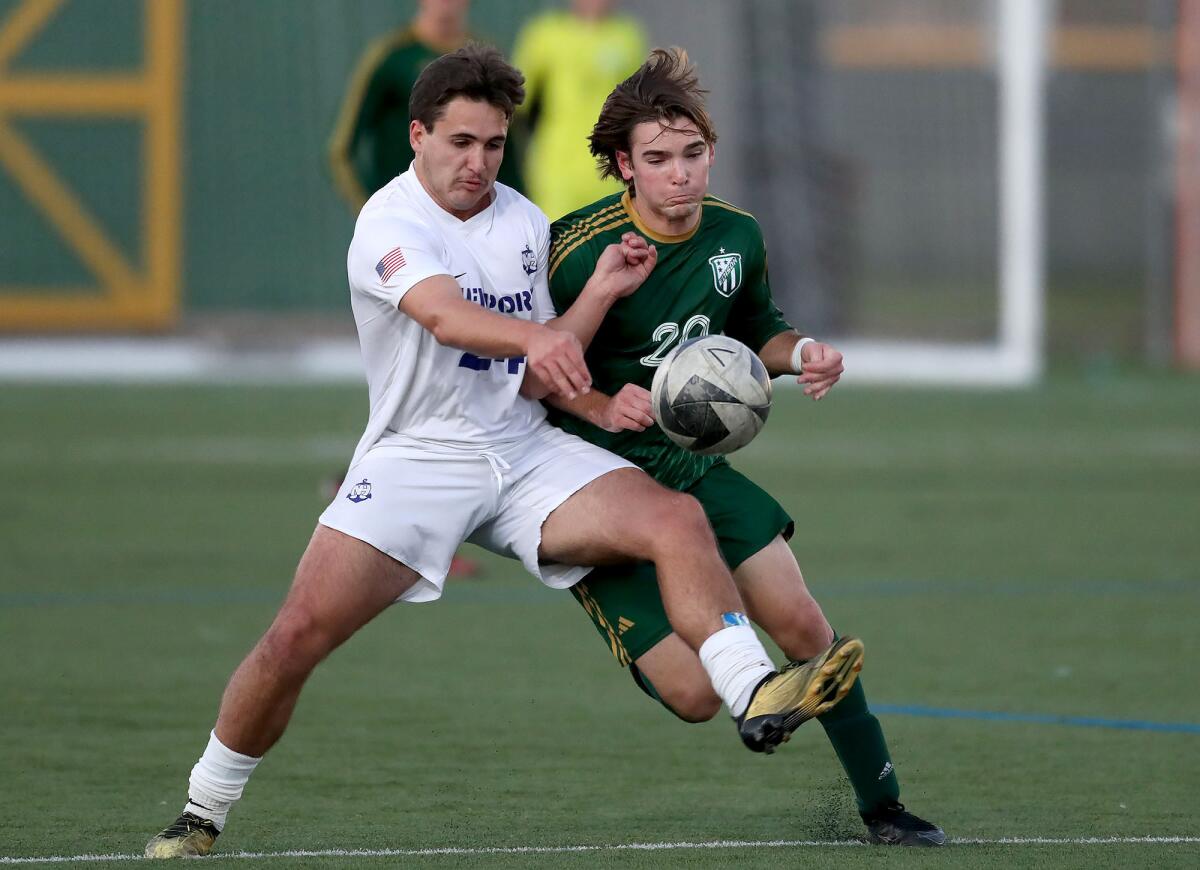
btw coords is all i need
(898, 178)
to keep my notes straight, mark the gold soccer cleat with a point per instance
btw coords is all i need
(786, 700)
(189, 837)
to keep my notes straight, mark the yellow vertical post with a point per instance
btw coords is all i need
(125, 294)
(161, 182)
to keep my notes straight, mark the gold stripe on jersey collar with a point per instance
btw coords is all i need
(627, 202)
(561, 254)
(585, 223)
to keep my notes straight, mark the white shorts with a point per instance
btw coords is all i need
(418, 506)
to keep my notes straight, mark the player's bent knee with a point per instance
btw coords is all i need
(661, 521)
(682, 520)
(695, 704)
(801, 645)
(804, 632)
(296, 641)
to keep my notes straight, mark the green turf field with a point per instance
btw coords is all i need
(1026, 565)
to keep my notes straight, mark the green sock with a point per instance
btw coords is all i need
(857, 739)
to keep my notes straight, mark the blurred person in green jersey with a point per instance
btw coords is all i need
(571, 60)
(370, 146)
(705, 272)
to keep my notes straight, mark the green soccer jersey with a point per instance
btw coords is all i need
(710, 280)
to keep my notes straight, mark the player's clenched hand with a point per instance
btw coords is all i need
(822, 368)
(628, 409)
(556, 357)
(621, 268)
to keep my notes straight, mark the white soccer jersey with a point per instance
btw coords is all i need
(424, 394)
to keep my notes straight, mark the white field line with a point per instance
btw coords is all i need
(616, 847)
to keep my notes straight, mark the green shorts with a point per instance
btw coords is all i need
(623, 600)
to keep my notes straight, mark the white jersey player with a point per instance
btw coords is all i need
(431, 393)
(452, 450)
(447, 274)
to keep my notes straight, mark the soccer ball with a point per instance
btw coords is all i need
(711, 395)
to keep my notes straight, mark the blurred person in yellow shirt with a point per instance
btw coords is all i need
(571, 59)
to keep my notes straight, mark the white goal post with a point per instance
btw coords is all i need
(1016, 357)
(1013, 358)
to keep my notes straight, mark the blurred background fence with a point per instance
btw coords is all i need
(163, 163)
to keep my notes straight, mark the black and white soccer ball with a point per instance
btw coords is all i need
(711, 395)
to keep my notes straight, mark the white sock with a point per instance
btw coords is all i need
(736, 662)
(217, 781)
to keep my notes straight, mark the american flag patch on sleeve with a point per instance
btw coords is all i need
(392, 261)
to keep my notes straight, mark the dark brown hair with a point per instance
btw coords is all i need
(665, 88)
(475, 71)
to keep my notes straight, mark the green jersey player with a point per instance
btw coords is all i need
(704, 271)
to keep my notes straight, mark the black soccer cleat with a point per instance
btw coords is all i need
(189, 837)
(892, 825)
(787, 699)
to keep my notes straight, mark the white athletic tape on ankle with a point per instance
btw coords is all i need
(736, 662)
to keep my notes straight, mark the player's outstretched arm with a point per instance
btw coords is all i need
(620, 270)
(820, 365)
(555, 356)
(629, 409)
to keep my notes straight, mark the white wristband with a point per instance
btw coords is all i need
(797, 362)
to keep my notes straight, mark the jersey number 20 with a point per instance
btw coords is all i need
(668, 333)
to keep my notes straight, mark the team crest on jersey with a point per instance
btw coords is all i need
(528, 260)
(727, 272)
(360, 491)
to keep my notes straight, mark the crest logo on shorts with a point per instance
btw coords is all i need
(360, 491)
(727, 272)
(528, 260)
